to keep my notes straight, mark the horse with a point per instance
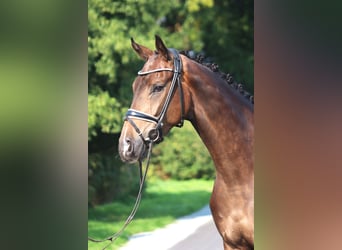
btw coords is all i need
(172, 87)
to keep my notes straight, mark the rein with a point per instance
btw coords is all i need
(154, 135)
(113, 237)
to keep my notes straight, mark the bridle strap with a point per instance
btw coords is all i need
(177, 62)
(141, 73)
(178, 67)
(136, 129)
(132, 113)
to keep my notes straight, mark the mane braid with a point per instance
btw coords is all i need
(215, 68)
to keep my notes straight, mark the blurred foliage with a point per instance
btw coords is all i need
(221, 29)
(185, 156)
(101, 115)
(110, 179)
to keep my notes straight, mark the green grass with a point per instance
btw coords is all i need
(162, 203)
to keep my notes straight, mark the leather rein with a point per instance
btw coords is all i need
(154, 135)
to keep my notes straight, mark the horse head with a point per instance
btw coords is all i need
(156, 106)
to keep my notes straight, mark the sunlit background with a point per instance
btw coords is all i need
(222, 31)
(44, 105)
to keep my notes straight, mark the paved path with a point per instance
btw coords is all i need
(196, 231)
(205, 238)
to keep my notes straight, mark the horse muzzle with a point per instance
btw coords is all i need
(131, 149)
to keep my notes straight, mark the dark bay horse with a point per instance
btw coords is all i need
(172, 87)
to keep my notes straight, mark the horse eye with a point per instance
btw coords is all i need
(157, 88)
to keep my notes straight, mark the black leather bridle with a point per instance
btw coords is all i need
(155, 135)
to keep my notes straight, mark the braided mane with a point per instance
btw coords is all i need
(215, 68)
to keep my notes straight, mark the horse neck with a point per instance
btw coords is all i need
(224, 121)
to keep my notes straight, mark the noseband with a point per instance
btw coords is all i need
(155, 135)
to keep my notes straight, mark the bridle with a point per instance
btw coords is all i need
(155, 135)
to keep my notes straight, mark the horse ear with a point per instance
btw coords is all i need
(142, 51)
(161, 48)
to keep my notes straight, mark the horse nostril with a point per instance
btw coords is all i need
(128, 147)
